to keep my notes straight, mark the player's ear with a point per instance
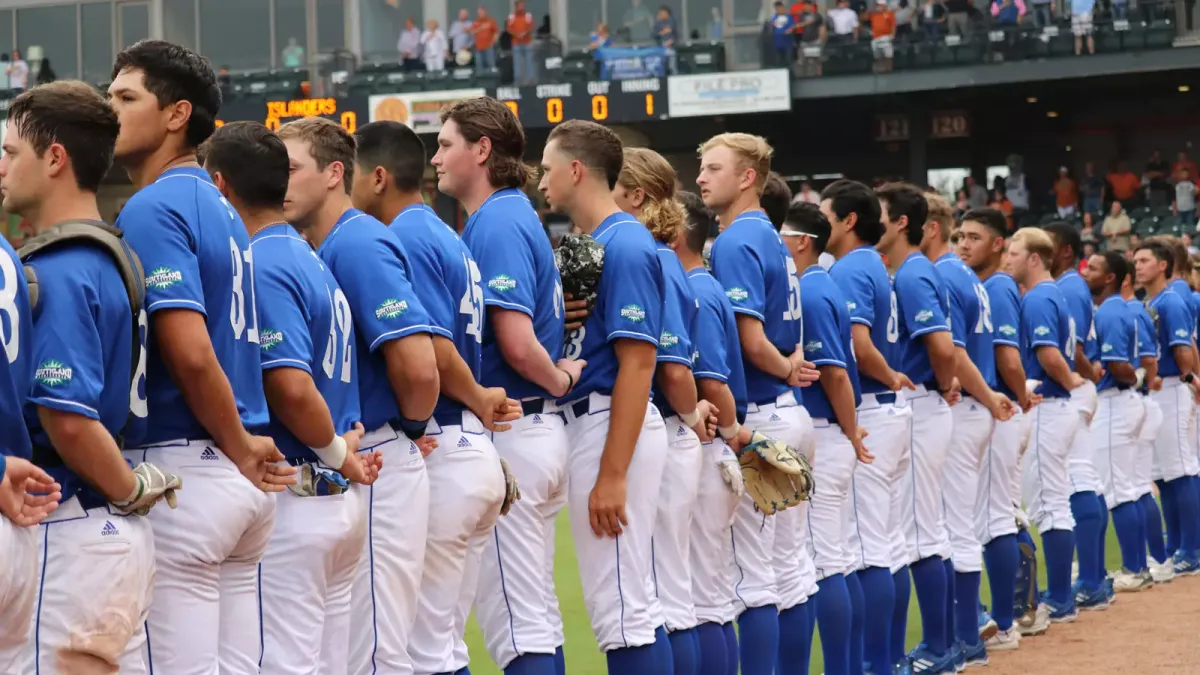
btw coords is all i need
(179, 114)
(336, 170)
(379, 180)
(637, 198)
(58, 159)
(483, 150)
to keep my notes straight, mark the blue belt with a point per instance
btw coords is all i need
(90, 499)
(886, 398)
(449, 419)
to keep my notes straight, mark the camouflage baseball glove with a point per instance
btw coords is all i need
(512, 492)
(776, 476)
(580, 260)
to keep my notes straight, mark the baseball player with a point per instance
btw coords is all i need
(975, 417)
(515, 605)
(1120, 414)
(1174, 459)
(828, 344)
(616, 435)
(1087, 506)
(467, 486)
(309, 374)
(981, 247)
(646, 188)
(720, 378)
(398, 386)
(204, 390)
(760, 280)
(1048, 348)
(926, 354)
(881, 560)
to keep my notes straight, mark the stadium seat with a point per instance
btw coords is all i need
(488, 79)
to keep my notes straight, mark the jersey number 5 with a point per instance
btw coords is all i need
(793, 300)
(243, 278)
(8, 307)
(472, 300)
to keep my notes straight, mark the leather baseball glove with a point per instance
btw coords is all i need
(776, 476)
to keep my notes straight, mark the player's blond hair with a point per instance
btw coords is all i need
(1037, 242)
(328, 143)
(754, 152)
(661, 212)
(940, 213)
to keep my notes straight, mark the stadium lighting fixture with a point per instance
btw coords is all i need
(1031, 99)
(1051, 113)
(1184, 88)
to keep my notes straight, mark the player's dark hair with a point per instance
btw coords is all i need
(74, 115)
(1177, 249)
(993, 219)
(846, 197)
(700, 221)
(1115, 262)
(775, 199)
(594, 145)
(1160, 252)
(906, 200)
(484, 116)
(395, 147)
(252, 159)
(807, 218)
(173, 74)
(328, 143)
(1065, 234)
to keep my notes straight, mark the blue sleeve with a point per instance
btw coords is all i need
(1006, 318)
(509, 281)
(859, 294)
(375, 280)
(822, 339)
(712, 360)
(165, 245)
(1147, 340)
(68, 349)
(1175, 316)
(958, 319)
(632, 289)
(675, 343)
(1041, 322)
(740, 272)
(284, 338)
(1115, 336)
(922, 309)
(425, 272)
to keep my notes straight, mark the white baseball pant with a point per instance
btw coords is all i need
(873, 487)
(999, 478)
(95, 578)
(466, 492)
(924, 517)
(205, 614)
(383, 599)
(18, 591)
(711, 543)
(307, 574)
(829, 513)
(516, 605)
(1045, 485)
(673, 529)
(1174, 456)
(616, 573)
(973, 426)
(1081, 466)
(1143, 480)
(1114, 435)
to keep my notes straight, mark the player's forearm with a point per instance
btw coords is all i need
(1183, 358)
(298, 405)
(759, 351)
(1055, 365)
(413, 373)
(521, 350)
(719, 394)
(943, 357)
(1150, 365)
(677, 385)
(630, 394)
(87, 448)
(1010, 369)
(969, 376)
(1083, 365)
(457, 380)
(840, 392)
(870, 360)
(1122, 371)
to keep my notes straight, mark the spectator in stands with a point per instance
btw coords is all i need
(600, 37)
(783, 41)
(716, 26)
(1185, 238)
(1185, 199)
(810, 33)
(460, 34)
(1043, 13)
(957, 20)
(409, 46)
(1000, 202)
(883, 35)
(46, 73)
(1066, 194)
(293, 54)
(807, 194)
(18, 72)
(1081, 25)
(1182, 162)
(434, 46)
(638, 23)
(1158, 177)
(520, 27)
(1089, 250)
(1088, 232)
(1018, 195)
(1117, 228)
(224, 80)
(1006, 13)
(844, 22)
(933, 18)
(485, 31)
(1119, 9)
(666, 31)
(905, 14)
(1125, 185)
(962, 203)
(544, 30)
(977, 195)
(1091, 188)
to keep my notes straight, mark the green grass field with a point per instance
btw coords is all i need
(583, 656)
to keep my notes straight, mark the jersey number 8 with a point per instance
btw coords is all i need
(8, 307)
(243, 277)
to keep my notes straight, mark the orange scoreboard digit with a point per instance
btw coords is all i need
(616, 102)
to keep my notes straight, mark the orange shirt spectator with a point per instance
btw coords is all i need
(1065, 192)
(1125, 184)
(485, 31)
(800, 8)
(1183, 163)
(1003, 205)
(520, 26)
(883, 23)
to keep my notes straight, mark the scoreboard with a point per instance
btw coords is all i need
(618, 102)
(274, 113)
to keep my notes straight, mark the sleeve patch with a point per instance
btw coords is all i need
(668, 339)
(269, 339)
(634, 313)
(1008, 330)
(1041, 331)
(923, 316)
(737, 294)
(391, 309)
(502, 283)
(814, 345)
(163, 278)
(54, 373)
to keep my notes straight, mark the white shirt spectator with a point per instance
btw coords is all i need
(1014, 188)
(460, 35)
(18, 75)
(1185, 196)
(409, 44)
(843, 20)
(810, 196)
(435, 49)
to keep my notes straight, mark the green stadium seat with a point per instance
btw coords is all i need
(488, 79)
(1160, 34)
(462, 77)
(437, 80)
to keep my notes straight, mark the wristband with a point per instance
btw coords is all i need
(334, 454)
(730, 432)
(570, 383)
(1141, 378)
(1187, 378)
(691, 419)
(413, 429)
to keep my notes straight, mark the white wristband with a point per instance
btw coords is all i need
(691, 419)
(730, 432)
(334, 454)
(1141, 378)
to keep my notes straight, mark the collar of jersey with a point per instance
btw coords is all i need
(273, 230)
(195, 172)
(699, 271)
(413, 209)
(613, 221)
(1043, 283)
(946, 256)
(909, 257)
(347, 216)
(752, 214)
(864, 247)
(1066, 274)
(502, 193)
(814, 269)
(1116, 296)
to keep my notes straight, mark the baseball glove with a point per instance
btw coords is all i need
(512, 493)
(776, 476)
(580, 259)
(1025, 601)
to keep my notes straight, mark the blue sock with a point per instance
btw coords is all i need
(1102, 541)
(731, 647)
(560, 661)
(899, 638)
(531, 664)
(949, 565)
(795, 638)
(1170, 514)
(1125, 522)
(1153, 523)
(1058, 547)
(879, 593)
(662, 651)
(758, 632)
(711, 639)
(1086, 510)
(1187, 506)
(465, 670)
(1141, 536)
(966, 607)
(857, 608)
(929, 577)
(834, 619)
(684, 652)
(1001, 558)
(633, 661)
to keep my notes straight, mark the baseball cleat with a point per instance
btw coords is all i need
(960, 661)
(1090, 599)
(1125, 581)
(987, 627)
(1005, 640)
(1060, 612)
(1109, 591)
(902, 668)
(1035, 622)
(1074, 571)
(924, 661)
(975, 655)
(1186, 567)
(1162, 572)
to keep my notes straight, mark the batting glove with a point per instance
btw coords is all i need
(150, 484)
(727, 463)
(512, 493)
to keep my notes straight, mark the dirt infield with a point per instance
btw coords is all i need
(1154, 631)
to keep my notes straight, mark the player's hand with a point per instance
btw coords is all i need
(1075, 381)
(494, 408)
(954, 394)
(900, 381)
(606, 506)
(27, 494)
(259, 465)
(1156, 384)
(1099, 372)
(426, 445)
(151, 485)
(860, 449)
(804, 373)
(362, 468)
(577, 312)
(574, 368)
(706, 428)
(1001, 407)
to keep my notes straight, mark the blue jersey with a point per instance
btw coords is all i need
(305, 323)
(447, 281)
(1004, 299)
(369, 265)
(970, 315)
(753, 264)
(923, 307)
(1116, 333)
(516, 263)
(1184, 291)
(196, 254)
(679, 318)
(863, 280)
(1046, 322)
(1147, 334)
(1079, 301)
(629, 303)
(1174, 329)
(827, 340)
(715, 338)
(1195, 298)
(16, 370)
